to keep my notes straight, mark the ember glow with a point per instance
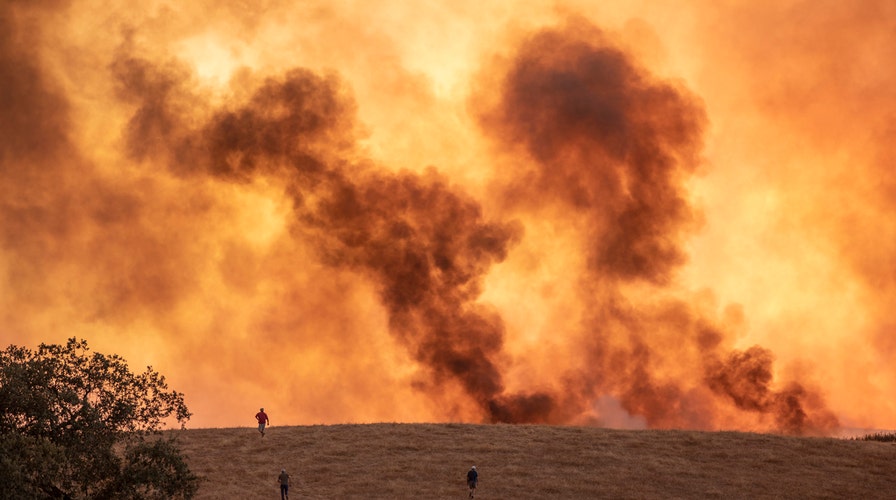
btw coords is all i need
(565, 212)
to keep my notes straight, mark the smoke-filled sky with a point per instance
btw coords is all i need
(643, 215)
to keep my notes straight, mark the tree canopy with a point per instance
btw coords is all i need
(80, 425)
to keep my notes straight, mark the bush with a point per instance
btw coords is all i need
(886, 437)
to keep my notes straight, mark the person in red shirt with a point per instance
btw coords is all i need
(263, 420)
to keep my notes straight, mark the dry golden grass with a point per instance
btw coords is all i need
(430, 461)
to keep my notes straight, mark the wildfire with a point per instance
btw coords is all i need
(559, 214)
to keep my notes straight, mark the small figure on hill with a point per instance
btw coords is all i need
(472, 479)
(283, 479)
(263, 420)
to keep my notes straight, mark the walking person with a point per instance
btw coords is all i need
(283, 479)
(472, 479)
(263, 420)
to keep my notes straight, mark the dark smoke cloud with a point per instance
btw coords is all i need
(746, 376)
(428, 248)
(608, 141)
(425, 244)
(612, 146)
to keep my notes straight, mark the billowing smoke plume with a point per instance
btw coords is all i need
(610, 143)
(424, 244)
(409, 217)
(611, 146)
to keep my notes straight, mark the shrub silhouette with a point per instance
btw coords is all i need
(884, 437)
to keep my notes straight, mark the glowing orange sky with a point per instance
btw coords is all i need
(567, 212)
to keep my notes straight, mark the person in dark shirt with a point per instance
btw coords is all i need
(283, 479)
(263, 420)
(472, 479)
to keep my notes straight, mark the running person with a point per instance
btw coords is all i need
(263, 420)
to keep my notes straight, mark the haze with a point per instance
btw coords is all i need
(569, 212)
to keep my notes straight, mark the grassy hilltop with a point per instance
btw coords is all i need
(430, 461)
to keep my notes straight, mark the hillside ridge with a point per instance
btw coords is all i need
(399, 460)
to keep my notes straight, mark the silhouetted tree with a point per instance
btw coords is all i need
(81, 425)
